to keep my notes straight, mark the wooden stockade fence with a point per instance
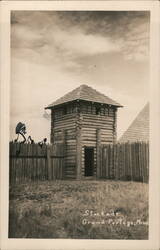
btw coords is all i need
(126, 161)
(31, 162)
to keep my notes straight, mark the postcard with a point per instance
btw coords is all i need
(80, 125)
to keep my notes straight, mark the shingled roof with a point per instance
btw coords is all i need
(139, 129)
(85, 93)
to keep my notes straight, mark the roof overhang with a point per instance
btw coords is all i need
(51, 106)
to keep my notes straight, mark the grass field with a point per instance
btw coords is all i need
(79, 210)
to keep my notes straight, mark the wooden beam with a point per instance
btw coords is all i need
(49, 163)
(115, 127)
(79, 146)
(79, 153)
(98, 152)
(64, 152)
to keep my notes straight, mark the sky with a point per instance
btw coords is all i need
(53, 52)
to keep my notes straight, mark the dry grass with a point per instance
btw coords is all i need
(56, 209)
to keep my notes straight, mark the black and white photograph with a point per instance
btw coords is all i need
(79, 124)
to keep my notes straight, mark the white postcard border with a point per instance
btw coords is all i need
(154, 183)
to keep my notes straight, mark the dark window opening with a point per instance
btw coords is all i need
(102, 111)
(106, 111)
(98, 110)
(93, 110)
(65, 110)
(89, 109)
(89, 161)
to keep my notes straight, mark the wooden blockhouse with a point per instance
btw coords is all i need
(83, 119)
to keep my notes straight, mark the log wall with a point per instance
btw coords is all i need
(66, 123)
(80, 132)
(90, 125)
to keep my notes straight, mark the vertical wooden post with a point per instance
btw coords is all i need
(49, 163)
(52, 127)
(78, 143)
(115, 126)
(64, 153)
(98, 152)
(79, 153)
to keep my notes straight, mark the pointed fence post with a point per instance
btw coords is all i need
(98, 153)
(79, 154)
(64, 153)
(49, 163)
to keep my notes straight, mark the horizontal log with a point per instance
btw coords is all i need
(84, 118)
(89, 135)
(88, 140)
(70, 151)
(88, 121)
(87, 132)
(106, 143)
(70, 137)
(70, 163)
(109, 121)
(71, 132)
(70, 173)
(71, 142)
(70, 159)
(89, 129)
(69, 120)
(70, 154)
(90, 116)
(107, 139)
(65, 126)
(70, 167)
(97, 117)
(70, 147)
(65, 117)
(101, 126)
(57, 131)
(107, 133)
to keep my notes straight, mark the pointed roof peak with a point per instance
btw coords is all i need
(86, 93)
(139, 128)
(83, 85)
